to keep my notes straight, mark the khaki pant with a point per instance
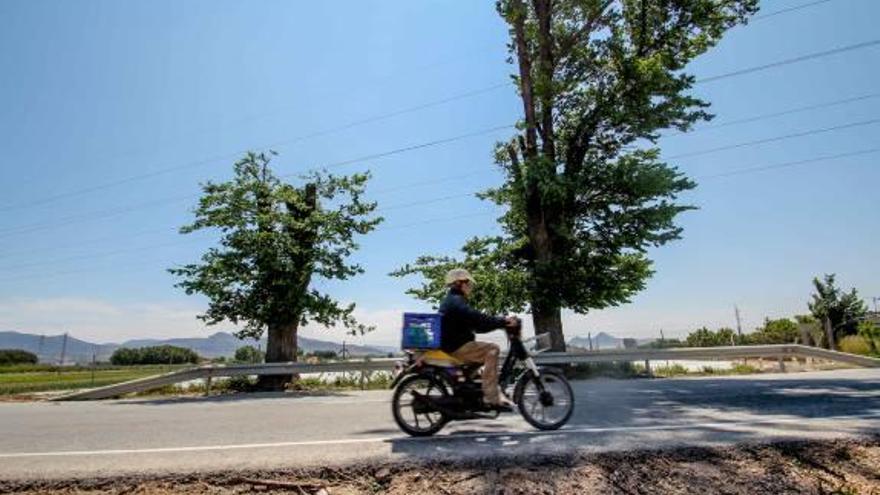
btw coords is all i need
(486, 354)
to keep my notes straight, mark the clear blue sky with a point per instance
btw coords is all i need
(97, 92)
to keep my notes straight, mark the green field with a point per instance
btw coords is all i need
(41, 378)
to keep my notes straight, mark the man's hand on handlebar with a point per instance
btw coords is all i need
(514, 326)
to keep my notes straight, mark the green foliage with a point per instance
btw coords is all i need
(162, 354)
(843, 309)
(582, 207)
(375, 380)
(855, 344)
(781, 331)
(671, 370)
(325, 355)
(274, 238)
(870, 331)
(248, 354)
(16, 356)
(583, 371)
(242, 383)
(663, 344)
(744, 369)
(703, 337)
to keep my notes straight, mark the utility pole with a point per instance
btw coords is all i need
(94, 362)
(63, 349)
(40, 347)
(875, 299)
(739, 329)
(590, 339)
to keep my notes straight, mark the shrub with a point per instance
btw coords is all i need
(855, 344)
(162, 354)
(745, 369)
(324, 355)
(870, 332)
(583, 371)
(673, 370)
(241, 383)
(16, 356)
(248, 354)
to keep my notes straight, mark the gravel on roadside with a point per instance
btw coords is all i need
(841, 467)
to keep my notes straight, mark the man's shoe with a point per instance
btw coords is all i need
(503, 405)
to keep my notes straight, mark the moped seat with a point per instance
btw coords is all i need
(437, 357)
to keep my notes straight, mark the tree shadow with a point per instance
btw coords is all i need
(616, 414)
(233, 397)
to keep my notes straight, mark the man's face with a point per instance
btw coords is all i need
(467, 287)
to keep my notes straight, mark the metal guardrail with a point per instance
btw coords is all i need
(209, 372)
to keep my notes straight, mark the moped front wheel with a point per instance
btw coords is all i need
(545, 401)
(412, 407)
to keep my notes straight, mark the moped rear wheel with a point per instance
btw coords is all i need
(412, 412)
(547, 401)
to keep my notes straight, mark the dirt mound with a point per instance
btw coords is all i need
(839, 467)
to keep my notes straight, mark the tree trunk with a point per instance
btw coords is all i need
(280, 348)
(829, 333)
(548, 319)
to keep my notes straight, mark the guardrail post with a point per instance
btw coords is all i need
(208, 380)
(648, 368)
(781, 364)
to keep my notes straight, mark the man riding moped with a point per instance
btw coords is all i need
(461, 322)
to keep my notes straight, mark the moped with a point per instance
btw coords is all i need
(432, 388)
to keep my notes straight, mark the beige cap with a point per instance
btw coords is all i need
(458, 274)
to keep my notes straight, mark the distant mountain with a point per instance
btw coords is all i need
(602, 340)
(48, 348)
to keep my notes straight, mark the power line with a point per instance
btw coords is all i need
(349, 125)
(104, 254)
(442, 141)
(404, 187)
(206, 161)
(789, 9)
(191, 240)
(756, 118)
(794, 163)
(468, 215)
(780, 63)
(776, 138)
(92, 215)
(95, 240)
(405, 149)
(118, 211)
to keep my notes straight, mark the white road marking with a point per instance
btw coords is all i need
(453, 437)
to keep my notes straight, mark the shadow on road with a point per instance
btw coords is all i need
(234, 397)
(646, 413)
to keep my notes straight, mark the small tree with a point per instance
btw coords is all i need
(701, 337)
(248, 354)
(781, 331)
(596, 78)
(839, 312)
(17, 356)
(275, 238)
(160, 354)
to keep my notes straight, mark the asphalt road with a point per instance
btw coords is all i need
(85, 439)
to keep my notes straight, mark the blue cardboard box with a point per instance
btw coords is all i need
(421, 331)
